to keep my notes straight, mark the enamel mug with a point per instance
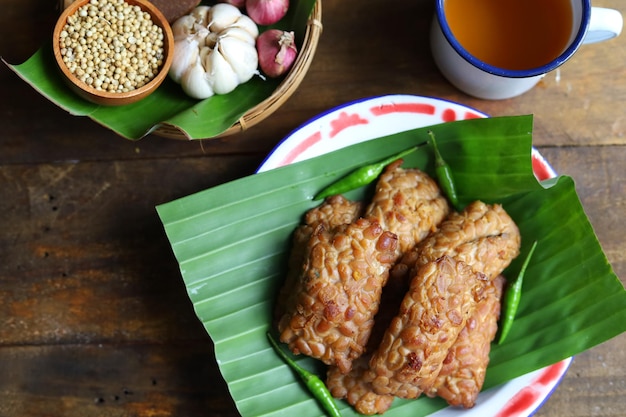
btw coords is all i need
(482, 80)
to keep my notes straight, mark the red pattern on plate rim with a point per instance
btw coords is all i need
(541, 168)
(301, 147)
(448, 115)
(345, 121)
(419, 108)
(524, 400)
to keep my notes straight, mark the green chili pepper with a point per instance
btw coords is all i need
(444, 174)
(512, 297)
(361, 176)
(316, 386)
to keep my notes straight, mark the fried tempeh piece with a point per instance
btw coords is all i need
(334, 211)
(441, 297)
(355, 390)
(341, 285)
(483, 236)
(352, 386)
(463, 372)
(408, 203)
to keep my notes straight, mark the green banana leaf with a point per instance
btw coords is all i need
(198, 119)
(232, 242)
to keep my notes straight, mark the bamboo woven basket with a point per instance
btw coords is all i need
(284, 90)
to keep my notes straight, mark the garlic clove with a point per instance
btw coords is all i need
(221, 16)
(202, 35)
(238, 33)
(211, 39)
(183, 27)
(203, 54)
(201, 15)
(219, 72)
(241, 56)
(195, 82)
(185, 54)
(244, 22)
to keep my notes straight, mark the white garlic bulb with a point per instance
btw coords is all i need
(214, 50)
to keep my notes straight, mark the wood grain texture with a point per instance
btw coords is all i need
(94, 319)
(112, 380)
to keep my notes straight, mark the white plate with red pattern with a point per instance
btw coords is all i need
(374, 117)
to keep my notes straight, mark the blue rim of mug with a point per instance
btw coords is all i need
(558, 61)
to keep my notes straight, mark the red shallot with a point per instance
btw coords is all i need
(277, 52)
(266, 12)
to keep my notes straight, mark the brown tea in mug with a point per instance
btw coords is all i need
(511, 34)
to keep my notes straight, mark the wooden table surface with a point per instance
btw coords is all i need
(94, 319)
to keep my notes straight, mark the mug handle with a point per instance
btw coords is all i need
(604, 24)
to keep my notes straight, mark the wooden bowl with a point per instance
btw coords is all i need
(107, 98)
